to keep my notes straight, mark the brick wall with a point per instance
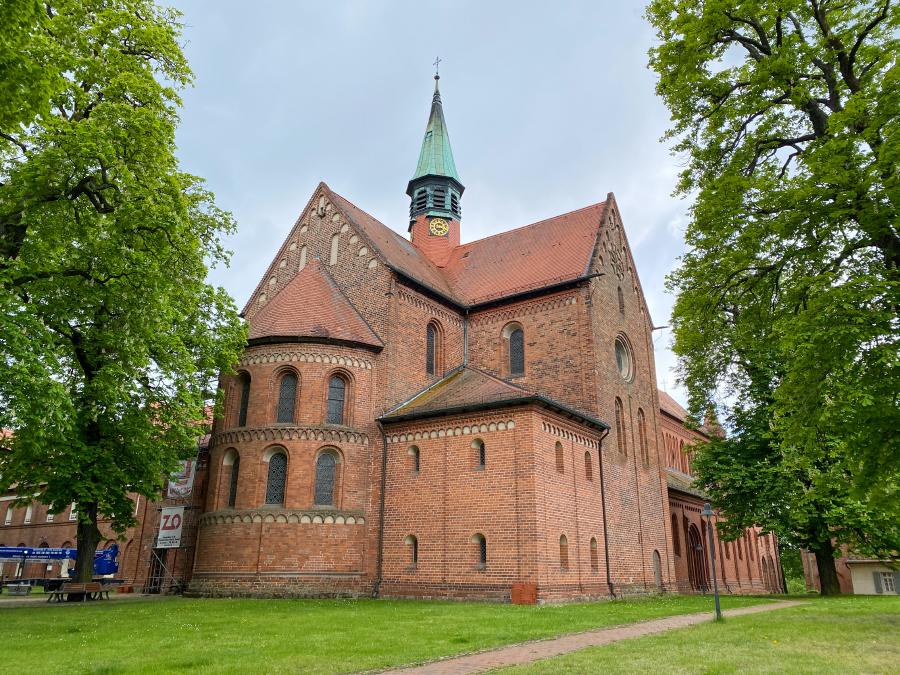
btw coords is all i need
(297, 540)
(403, 360)
(452, 498)
(637, 496)
(557, 345)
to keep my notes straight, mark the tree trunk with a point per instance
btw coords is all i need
(88, 537)
(828, 578)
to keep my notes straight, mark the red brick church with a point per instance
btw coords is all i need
(419, 417)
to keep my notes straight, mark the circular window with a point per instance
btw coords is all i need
(623, 359)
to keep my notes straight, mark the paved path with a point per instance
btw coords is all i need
(514, 655)
(40, 600)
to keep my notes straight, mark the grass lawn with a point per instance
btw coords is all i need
(321, 636)
(852, 634)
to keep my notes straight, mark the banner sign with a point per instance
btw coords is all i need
(17, 554)
(181, 482)
(170, 522)
(104, 559)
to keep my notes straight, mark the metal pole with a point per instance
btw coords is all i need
(708, 512)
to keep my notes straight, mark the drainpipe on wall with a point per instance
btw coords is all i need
(376, 589)
(609, 583)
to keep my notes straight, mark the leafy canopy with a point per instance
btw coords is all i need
(110, 336)
(787, 308)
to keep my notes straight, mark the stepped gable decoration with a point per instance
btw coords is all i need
(311, 305)
(398, 253)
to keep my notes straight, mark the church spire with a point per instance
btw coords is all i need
(436, 157)
(435, 189)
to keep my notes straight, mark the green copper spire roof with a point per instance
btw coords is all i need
(436, 157)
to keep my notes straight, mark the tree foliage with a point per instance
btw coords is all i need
(110, 336)
(26, 79)
(787, 308)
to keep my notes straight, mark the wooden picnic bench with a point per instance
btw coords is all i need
(89, 591)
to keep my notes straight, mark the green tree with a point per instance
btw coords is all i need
(787, 308)
(110, 337)
(26, 80)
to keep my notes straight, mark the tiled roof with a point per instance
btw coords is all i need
(467, 388)
(543, 254)
(312, 305)
(683, 483)
(546, 253)
(463, 387)
(671, 407)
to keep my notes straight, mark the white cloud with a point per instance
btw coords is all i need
(549, 106)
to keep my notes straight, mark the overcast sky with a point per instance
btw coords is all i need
(549, 106)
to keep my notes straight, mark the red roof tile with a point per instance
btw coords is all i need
(461, 388)
(467, 388)
(539, 255)
(543, 254)
(312, 305)
(671, 407)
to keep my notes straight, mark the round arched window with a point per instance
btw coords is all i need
(623, 359)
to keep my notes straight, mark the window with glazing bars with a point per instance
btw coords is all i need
(245, 400)
(430, 346)
(517, 352)
(414, 551)
(287, 398)
(336, 390)
(481, 545)
(232, 489)
(277, 477)
(325, 466)
(480, 455)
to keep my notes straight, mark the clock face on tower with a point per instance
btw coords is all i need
(438, 227)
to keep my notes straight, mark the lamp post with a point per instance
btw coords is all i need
(708, 513)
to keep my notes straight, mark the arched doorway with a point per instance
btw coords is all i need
(697, 572)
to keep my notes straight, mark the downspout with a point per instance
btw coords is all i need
(376, 590)
(609, 582)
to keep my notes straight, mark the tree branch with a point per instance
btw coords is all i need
(19, 144)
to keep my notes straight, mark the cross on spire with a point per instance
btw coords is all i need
(436, 64)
